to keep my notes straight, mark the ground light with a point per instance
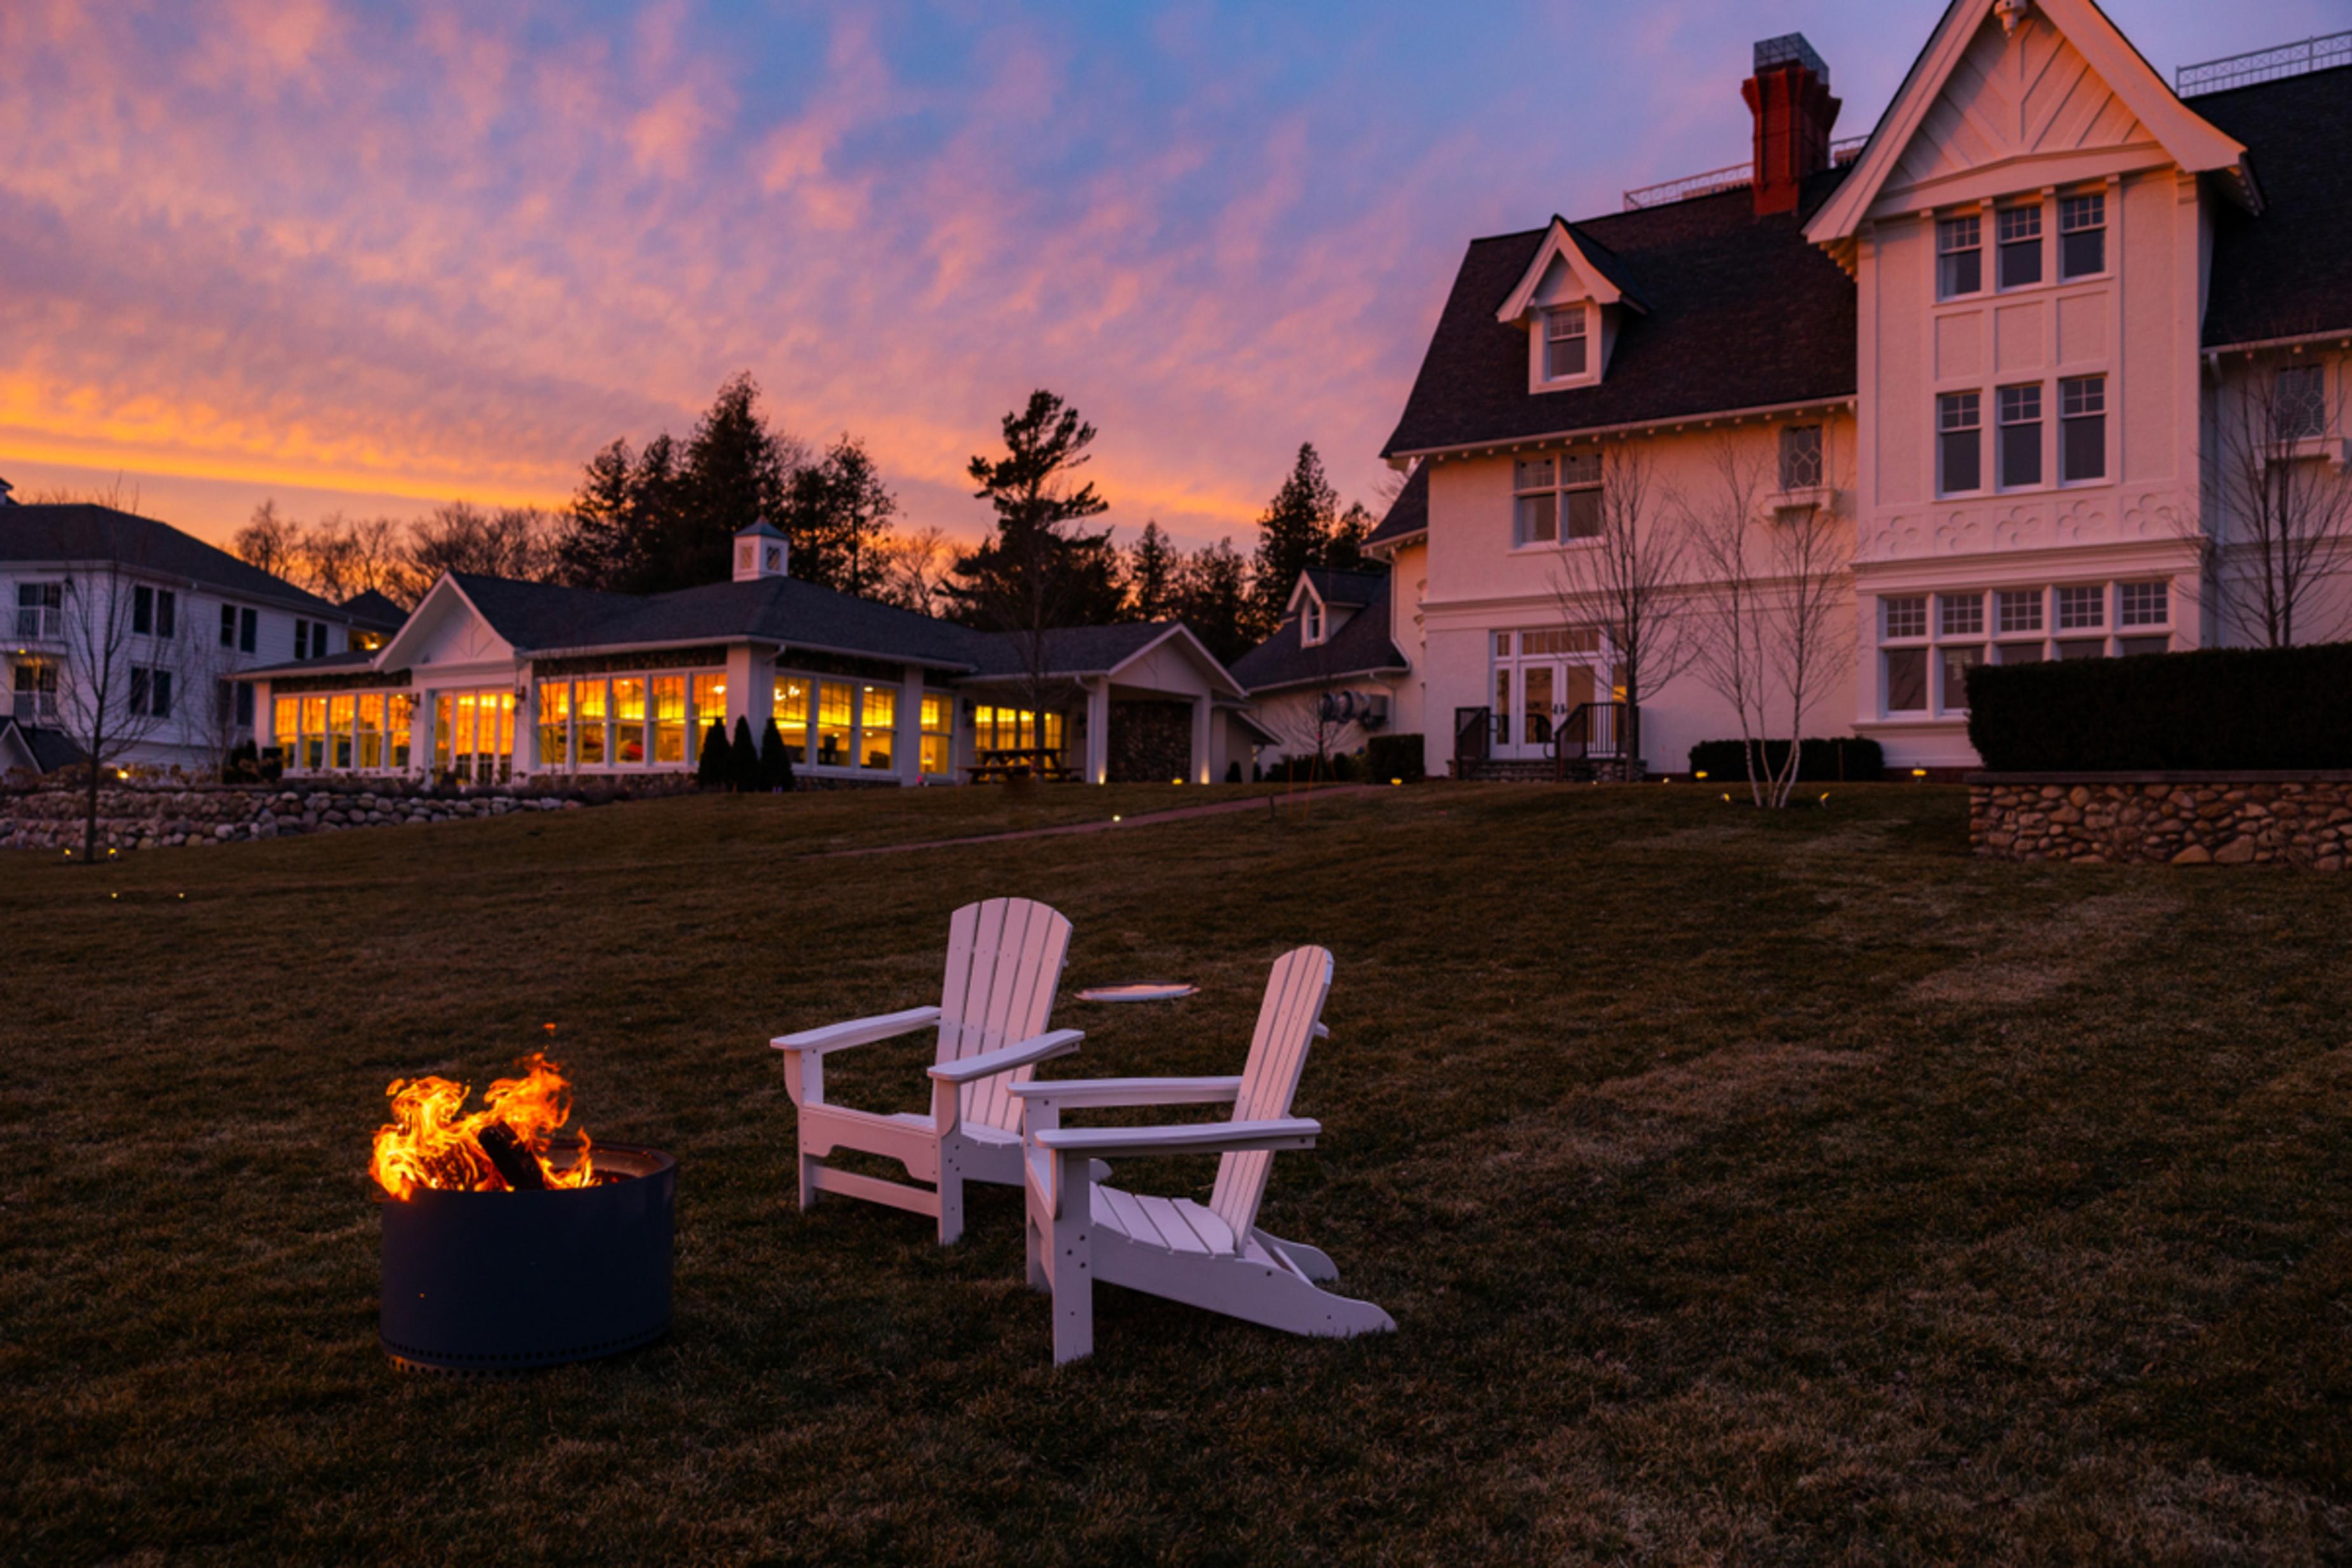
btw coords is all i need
(1919, 775)
(1701, 777)
(1395, 781)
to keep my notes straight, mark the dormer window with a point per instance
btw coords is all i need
(1311, 622)
(1565, 354)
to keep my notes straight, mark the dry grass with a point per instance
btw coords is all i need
(1745, 1190)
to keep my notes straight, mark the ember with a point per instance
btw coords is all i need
(432, 1142)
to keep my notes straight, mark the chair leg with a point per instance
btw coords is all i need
(1074, 1279)
(809, 1164)
(950, 1202)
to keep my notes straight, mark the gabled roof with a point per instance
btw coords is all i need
(2186, 137)
(48, 750)
(1348, 589)
(1359, 647)
(1408, 515)
(1745, 314)
(34, 535)
(1074, 652)
(2283, 273)
(374, 610)
(1600, 269)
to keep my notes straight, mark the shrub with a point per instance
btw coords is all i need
(1337, 769)
(1842, 756)
(744, 758)
(2217, 709)
(775, 762)
(1390, 757)
(1233, 772)
(711, 765)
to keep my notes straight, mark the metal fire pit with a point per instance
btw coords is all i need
(495, 1283)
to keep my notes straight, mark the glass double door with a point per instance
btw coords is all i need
(1533, 697)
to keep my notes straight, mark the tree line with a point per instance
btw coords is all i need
(660, 517)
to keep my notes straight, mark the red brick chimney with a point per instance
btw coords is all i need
(1789, 96)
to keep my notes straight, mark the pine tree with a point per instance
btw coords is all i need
(710, 765)
(600, 538)
(1212, 598)
(837, 514)
(1153, 566)
(733, 474)
(744, 758)
(1294, 534)
(1346, 549)
(775, 762)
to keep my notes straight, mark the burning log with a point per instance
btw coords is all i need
(514, 1163)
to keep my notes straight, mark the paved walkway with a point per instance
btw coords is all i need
(1181, 814)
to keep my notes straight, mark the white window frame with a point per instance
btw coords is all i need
(1951, 239)
(1539, 340)
(2040, 241)
(2070, 205)
(1313, 620)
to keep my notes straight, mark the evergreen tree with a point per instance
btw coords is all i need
(1346, 549)
(1294, 534)
(744, 758)
(711, 763)
(600, 538)
(775, 762)
(1212, 598)
(1153, 568)
(837, 514)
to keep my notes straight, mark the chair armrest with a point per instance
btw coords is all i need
(1195, 1138)
(856, 1031)
(1005, 1058)
(1076, 1092)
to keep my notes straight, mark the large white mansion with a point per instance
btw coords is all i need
(1994, 342)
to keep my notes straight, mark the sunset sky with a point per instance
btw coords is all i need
(369, 257)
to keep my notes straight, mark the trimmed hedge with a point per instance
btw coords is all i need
(1394, 757)
(2215, 710)
(1850, 757)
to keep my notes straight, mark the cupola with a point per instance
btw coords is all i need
(760, 551)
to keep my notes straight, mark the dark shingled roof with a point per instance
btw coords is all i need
(325, 665)
(2288, 270)
(541, 615)
(50, 749)
(1361, 646)
(83, 532)
(1071, 649)
(1744, 312)
(1352, 589)
(1408, 514)
(374, 612)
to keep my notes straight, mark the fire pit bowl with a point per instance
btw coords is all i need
(495, 1283)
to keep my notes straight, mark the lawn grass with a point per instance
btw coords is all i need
(1746, 1188)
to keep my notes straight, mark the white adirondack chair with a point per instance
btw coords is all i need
(1005, 962)
(1082, 1233)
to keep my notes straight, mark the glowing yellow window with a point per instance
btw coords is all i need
(938, 722)
(669, 721)
(878, 727)
(285, 724)
(555, 725)
(710, 708)
(399, 719)
(338, 724)
(791, 716)
(371, 730)
(314, 732)
(629, 721)
(834, 703)
(588, 706)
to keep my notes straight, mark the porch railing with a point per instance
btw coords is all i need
(1594, 731)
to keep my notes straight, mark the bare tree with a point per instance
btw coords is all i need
(1774, 636)
(1628, 581)
(271, 541)
(341, 558)
(2281, 515)
(914, 566)
(109, 698)
(512, 541)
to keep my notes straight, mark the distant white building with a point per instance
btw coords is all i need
(1994, 343)
(85, 587)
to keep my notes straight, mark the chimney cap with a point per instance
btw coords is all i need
(1790, 48)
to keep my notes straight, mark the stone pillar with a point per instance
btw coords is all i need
(1204, 717)
(1099, 730)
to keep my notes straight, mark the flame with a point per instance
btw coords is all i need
(432, 1142)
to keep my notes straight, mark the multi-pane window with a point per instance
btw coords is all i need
(1800, 456)
(40, 610)
(2300, 397)
(555, 725)
(2018, 615)
(154, 613)
(588, 716)
(1556, 498)
(2017, 233)
(1960, 614)
(792, 710)
(339, 717)
(2081, 609)
(248, 631)
(628, 721)
(370, 725)
(35, 697)
(669, 721)
(835, 713)
(167, 613)
(302, 639)
(1564, 344)
(878, 727)
(150, 692)
(709, 694)
(2020, 436)
(938, 732)
(1960, 441)
(2082, 428)
(2082, 235)
(1959, 633)
(1959, 256)
(2143, 605)
(1904, 617)
(228, 626)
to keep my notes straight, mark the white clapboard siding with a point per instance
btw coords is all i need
(1082, 1232)
(1004, 963)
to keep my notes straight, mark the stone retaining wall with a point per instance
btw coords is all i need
(146, 818)
(2178, 819)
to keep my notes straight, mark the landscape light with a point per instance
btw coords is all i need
(1395, 781)
(1118, 819)
(1918, 773)
(1700, 776)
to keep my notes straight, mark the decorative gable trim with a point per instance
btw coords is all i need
(2186, 137)
(1561, 243)
(396, 652)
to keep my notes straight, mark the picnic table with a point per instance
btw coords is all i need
(1018, 762)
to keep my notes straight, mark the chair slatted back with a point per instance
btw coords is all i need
(1004, 964)
(1286, 1028)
